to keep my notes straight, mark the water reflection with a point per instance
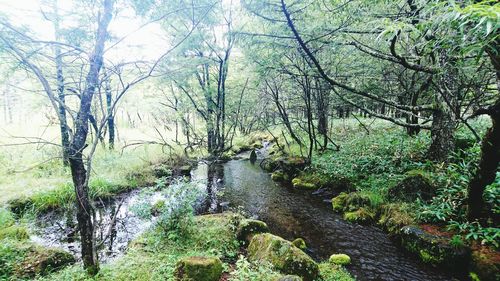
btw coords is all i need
(115, 225)
(291, 214)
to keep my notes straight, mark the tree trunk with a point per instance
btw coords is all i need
(413, 130)
(442, 134)
(444, 119)
(111, 116)
(488, 166)
(490, 149)
(79, 174)
(63, 121)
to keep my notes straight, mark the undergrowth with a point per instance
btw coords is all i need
(377, 161)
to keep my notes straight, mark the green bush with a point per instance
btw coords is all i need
(177, 215)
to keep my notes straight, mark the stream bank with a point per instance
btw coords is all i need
(290, 213)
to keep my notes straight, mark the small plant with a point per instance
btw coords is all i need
(248, 271)
(457, 241)
(474, 231)
(177, 214)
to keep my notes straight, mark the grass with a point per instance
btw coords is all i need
(34, 173)
(153, 256)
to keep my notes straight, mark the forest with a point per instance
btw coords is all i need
(273, 140)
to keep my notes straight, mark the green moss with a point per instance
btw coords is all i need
(279, 176)
(299, 243)
(333, 272)
(198, 269)
(300, 184)
(282, 255)
(393, 217)
(339, 202)
(428, 257)
(340, 259)
(248, 227)
(474, 277)
(42, 261)
(362, 215)
(14, 232)
(350, 202)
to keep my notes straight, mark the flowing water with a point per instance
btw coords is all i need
(242, 185)
(291, 214)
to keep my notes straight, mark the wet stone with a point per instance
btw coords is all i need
(284, 256)
(198, 269)
(435, 250)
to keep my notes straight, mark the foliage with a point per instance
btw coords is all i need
(177, 214)
(474, 231)
(331, 272)
(386, 151)
(12, 253)
(449, 203)
(247, 271)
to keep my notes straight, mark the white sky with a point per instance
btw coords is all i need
(146, 43)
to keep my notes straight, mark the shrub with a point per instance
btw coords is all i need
(177, 215)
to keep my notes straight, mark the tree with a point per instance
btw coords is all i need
(85, 211)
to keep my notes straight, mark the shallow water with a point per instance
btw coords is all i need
(116, 225)
(244, 186)
(292, 214)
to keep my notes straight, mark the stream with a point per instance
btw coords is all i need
(290, 214)
(244, 186)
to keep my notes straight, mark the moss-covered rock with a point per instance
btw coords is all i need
(198, 269)
(300, 184)
(393, 218)
(279, 176)
(289, 278)
(300, 243)
(339, 202)
(42, 261)
(248, 227)
(320, 180)
(340, 259)
(435, 250)
(14, 232)
(284, 256)
(292, 165)
(331, 272)
(270, 165)
(350, 202)
(257, 145)
(236, 149)
(415, 185)
(362, 215)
